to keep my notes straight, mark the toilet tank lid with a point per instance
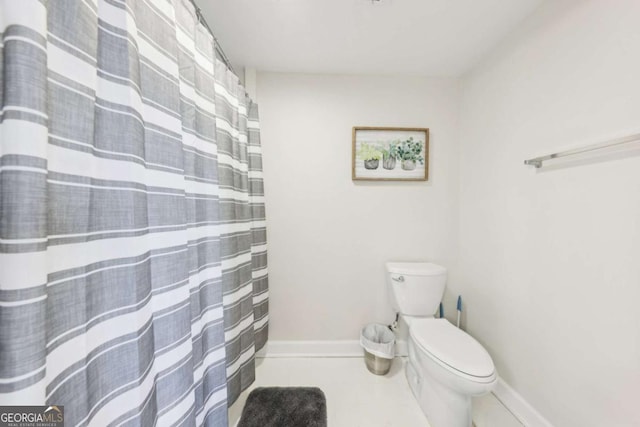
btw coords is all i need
(416, 268)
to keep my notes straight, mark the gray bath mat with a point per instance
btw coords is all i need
(285, 407)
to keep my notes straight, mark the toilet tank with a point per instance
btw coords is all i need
(416, 288)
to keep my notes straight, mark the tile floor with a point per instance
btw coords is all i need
(357, 398)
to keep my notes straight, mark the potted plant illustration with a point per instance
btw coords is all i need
(370, 154)
(410, 152)
(389, 155)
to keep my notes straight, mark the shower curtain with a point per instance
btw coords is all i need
(133, 275)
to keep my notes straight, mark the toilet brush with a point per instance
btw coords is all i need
(459, 308)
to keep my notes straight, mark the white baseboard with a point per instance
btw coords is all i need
(342, 348)
(518, 406)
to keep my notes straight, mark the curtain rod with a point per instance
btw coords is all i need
(216, 44)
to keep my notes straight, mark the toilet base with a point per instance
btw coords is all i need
(443, 406)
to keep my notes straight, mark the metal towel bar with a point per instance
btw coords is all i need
(537, 161)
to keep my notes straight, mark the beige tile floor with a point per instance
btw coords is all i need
(357, 398)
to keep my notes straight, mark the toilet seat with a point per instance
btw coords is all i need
(453, 349)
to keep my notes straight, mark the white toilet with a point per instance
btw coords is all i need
(446, 366)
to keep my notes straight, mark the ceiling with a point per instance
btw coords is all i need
(399, 37)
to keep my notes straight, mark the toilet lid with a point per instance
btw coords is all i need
(452, 347)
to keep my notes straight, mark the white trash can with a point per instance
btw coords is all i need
(378, 342)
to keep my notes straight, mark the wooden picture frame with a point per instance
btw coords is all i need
(389, 154)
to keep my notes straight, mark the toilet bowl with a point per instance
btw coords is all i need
(446, 366)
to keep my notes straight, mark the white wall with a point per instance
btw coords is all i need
(550, 261)
(329, 237)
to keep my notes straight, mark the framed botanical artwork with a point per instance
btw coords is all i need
(390, 154)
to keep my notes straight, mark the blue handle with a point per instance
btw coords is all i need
(459, 307)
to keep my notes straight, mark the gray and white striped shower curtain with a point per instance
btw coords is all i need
(133, 283)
